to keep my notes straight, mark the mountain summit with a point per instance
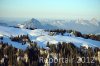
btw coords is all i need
(33, 23)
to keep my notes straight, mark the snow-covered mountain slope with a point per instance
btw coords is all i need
(14, 44)
(42, 37)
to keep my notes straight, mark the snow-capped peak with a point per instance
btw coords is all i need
(33, 23)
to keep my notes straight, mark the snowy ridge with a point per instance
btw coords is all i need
(42, 37)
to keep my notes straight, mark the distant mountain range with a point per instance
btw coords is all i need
(84, 26)
(34, 23)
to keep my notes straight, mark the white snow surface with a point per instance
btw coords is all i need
(14, 44)
(41, 37)
(1, 35)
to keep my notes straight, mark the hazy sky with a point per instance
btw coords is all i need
(50, 8)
